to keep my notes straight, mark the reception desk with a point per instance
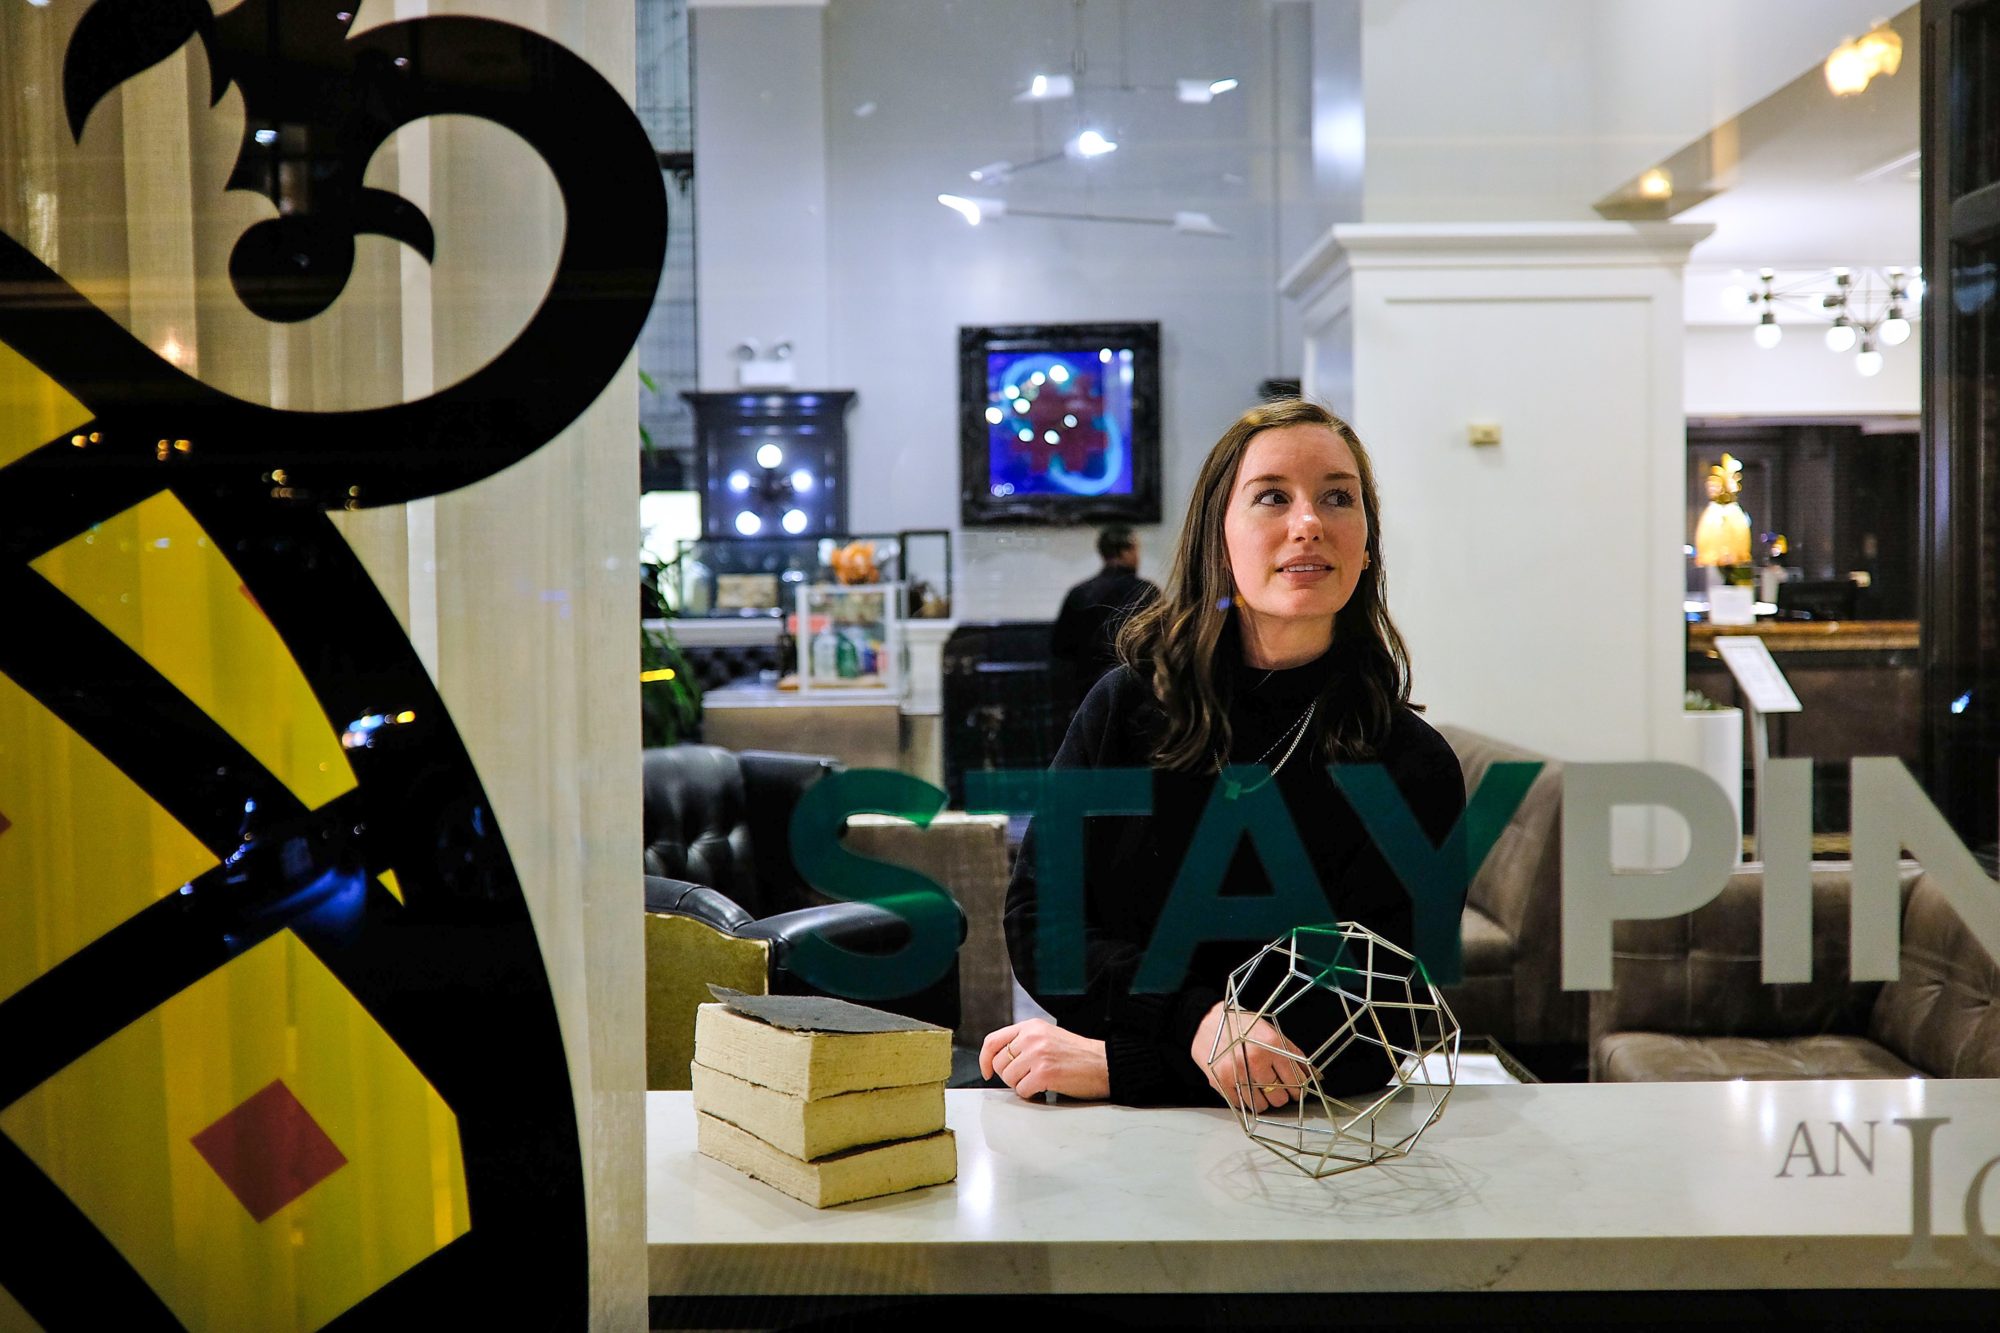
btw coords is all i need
(1860, 682)
(1537, 1188)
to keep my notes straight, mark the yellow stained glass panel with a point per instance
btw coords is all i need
(82, 847)
(115, 1129)
(34, 409)
(151, 576)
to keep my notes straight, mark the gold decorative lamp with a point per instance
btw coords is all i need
(1722, 537)
(1722, 543)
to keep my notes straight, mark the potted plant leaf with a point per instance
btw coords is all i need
(669, 689)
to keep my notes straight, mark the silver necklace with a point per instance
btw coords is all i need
(1231, 788)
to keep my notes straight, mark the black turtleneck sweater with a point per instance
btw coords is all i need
(1130, 863)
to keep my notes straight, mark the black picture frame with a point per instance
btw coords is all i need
(978, 506)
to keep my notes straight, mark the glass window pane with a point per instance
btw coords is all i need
(1975, 98)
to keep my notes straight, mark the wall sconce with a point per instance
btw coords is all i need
(758, 367)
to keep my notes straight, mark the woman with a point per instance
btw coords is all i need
(1272, 646)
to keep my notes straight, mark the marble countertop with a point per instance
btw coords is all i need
(1540, 1187)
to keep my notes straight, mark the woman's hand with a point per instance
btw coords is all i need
(1037, 1057)
(1271, 1079)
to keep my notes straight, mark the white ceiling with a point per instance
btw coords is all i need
(1805, 181)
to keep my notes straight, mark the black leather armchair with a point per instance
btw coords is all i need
(722, 819)
(718, 856)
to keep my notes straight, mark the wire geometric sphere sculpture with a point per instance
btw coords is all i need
(1366, 1048)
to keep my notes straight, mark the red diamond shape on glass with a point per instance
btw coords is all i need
(269, 1150)
(5, 823)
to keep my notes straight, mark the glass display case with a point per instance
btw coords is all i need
(761, 577)
(848, 636)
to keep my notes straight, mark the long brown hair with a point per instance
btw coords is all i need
(1173, 642)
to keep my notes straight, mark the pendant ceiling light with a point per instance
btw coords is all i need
(1865, 307)
(1856, 62)
(1088, 143)
(977, 210)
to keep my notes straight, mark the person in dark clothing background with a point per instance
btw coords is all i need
(1083, 642)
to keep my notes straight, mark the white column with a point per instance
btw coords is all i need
(1538, 581)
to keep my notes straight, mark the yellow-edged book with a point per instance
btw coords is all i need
(819, 1127)
(828, 1101)
(859, 1173)
(796, 1050)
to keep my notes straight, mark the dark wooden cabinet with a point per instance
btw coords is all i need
(764, 455)
(1960, 574)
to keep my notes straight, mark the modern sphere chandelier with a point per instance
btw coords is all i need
(1866, 309)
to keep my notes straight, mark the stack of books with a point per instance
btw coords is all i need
(828, 1101)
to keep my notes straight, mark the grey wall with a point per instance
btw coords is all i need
(761, 164)
(905, 273)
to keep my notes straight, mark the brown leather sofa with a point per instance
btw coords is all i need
(1512, 928)
(1688, 1002)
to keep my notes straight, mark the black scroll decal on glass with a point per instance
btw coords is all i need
(454, 974)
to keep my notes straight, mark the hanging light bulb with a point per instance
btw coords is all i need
(1735, 296)
(1090, 143)
(1868, 361)
(1048, 88)
(1767, 333)
(1840, 337)
(973, 210)
(1895, 330)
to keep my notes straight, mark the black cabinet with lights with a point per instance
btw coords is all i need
(772, 463)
